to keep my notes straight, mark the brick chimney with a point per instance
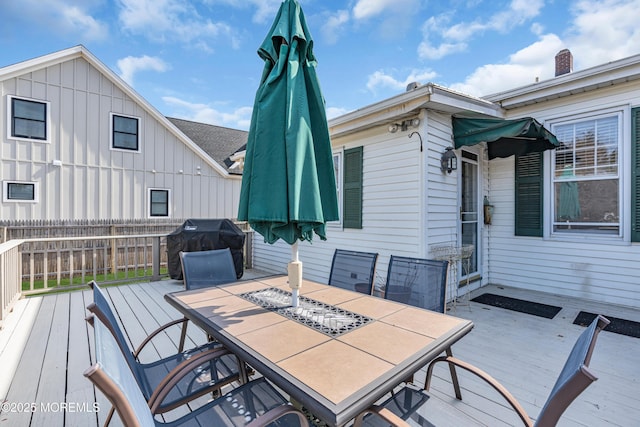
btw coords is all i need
(564, 62)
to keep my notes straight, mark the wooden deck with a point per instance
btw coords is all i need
(46, 345)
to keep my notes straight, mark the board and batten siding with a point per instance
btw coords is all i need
(94, 181)
(575, 266)
(391, 209)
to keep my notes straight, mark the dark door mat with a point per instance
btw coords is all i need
(520, 305)
(617, 326)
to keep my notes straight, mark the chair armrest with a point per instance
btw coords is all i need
(161, 329)
(181, 370)
(383, 413)
(277, 413)
(484, 376)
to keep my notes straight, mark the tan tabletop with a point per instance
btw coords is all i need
(334, 377)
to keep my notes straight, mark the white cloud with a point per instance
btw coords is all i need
(65, 17)
(600, 31)
(334, 25)
(453, 38)
(365, 9)
(380, 79)
(240, 118)
(161, 20)
(333, 112)
(603, 31)
(265, 9)
(534, 61)
(131, 65)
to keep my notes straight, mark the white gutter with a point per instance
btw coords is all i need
(408, 104)
(612, 73)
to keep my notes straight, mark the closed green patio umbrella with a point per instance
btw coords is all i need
(288, 183)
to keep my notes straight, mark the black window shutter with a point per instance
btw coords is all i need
(635, 175)
(352, 198)
(529, 186)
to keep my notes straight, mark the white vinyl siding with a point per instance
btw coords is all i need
(592, 267)
(93, 180)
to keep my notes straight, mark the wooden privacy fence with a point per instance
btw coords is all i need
(70, 262)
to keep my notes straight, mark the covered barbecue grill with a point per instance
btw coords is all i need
(203, 235)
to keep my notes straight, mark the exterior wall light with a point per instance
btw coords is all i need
(404, 125)
(449, 161)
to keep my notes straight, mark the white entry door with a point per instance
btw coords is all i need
(470, 205)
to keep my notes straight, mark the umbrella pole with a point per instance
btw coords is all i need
(295, 275)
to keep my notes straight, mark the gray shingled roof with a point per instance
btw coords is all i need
(218, 142)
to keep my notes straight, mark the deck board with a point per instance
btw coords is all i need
(523, 352)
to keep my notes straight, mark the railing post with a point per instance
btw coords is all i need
(155, 255)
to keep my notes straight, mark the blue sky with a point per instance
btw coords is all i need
(196, 59)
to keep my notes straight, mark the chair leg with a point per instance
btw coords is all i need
(183, 337)
(454, 376)
(109, 416)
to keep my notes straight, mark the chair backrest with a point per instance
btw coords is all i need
(353, 270)
(112, 375)
(418, 282)
(202, 269)
(101, 309)
(575, 377)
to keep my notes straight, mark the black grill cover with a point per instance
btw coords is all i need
(203, 235)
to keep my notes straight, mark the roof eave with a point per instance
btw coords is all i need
(408, 104)
(606, 75)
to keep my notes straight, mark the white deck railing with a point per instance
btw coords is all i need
(29, 266)
(10, 273)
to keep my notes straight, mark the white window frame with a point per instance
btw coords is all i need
(5, 192)
(111, 130)
(9, 123)
(339, 184)
(622, 177)
(149, 192)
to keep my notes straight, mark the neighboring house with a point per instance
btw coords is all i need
(77, 142)
(220, 143)
(397, 200)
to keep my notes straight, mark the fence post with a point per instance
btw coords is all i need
(155, 255)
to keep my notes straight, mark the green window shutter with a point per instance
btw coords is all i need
(352, 197)
(635, 175)
(529, 191)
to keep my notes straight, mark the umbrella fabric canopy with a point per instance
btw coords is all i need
(288, 184)
(504, 137)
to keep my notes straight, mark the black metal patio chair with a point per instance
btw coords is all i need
(256, 403)
(353, 270)
(415, 407)
(212, 366)
(203, 269)
(421, 283)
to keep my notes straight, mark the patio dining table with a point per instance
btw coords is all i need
(336, 354)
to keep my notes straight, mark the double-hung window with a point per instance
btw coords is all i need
(125, 133)
(28, 119)
(159, 202)
(586, 176)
